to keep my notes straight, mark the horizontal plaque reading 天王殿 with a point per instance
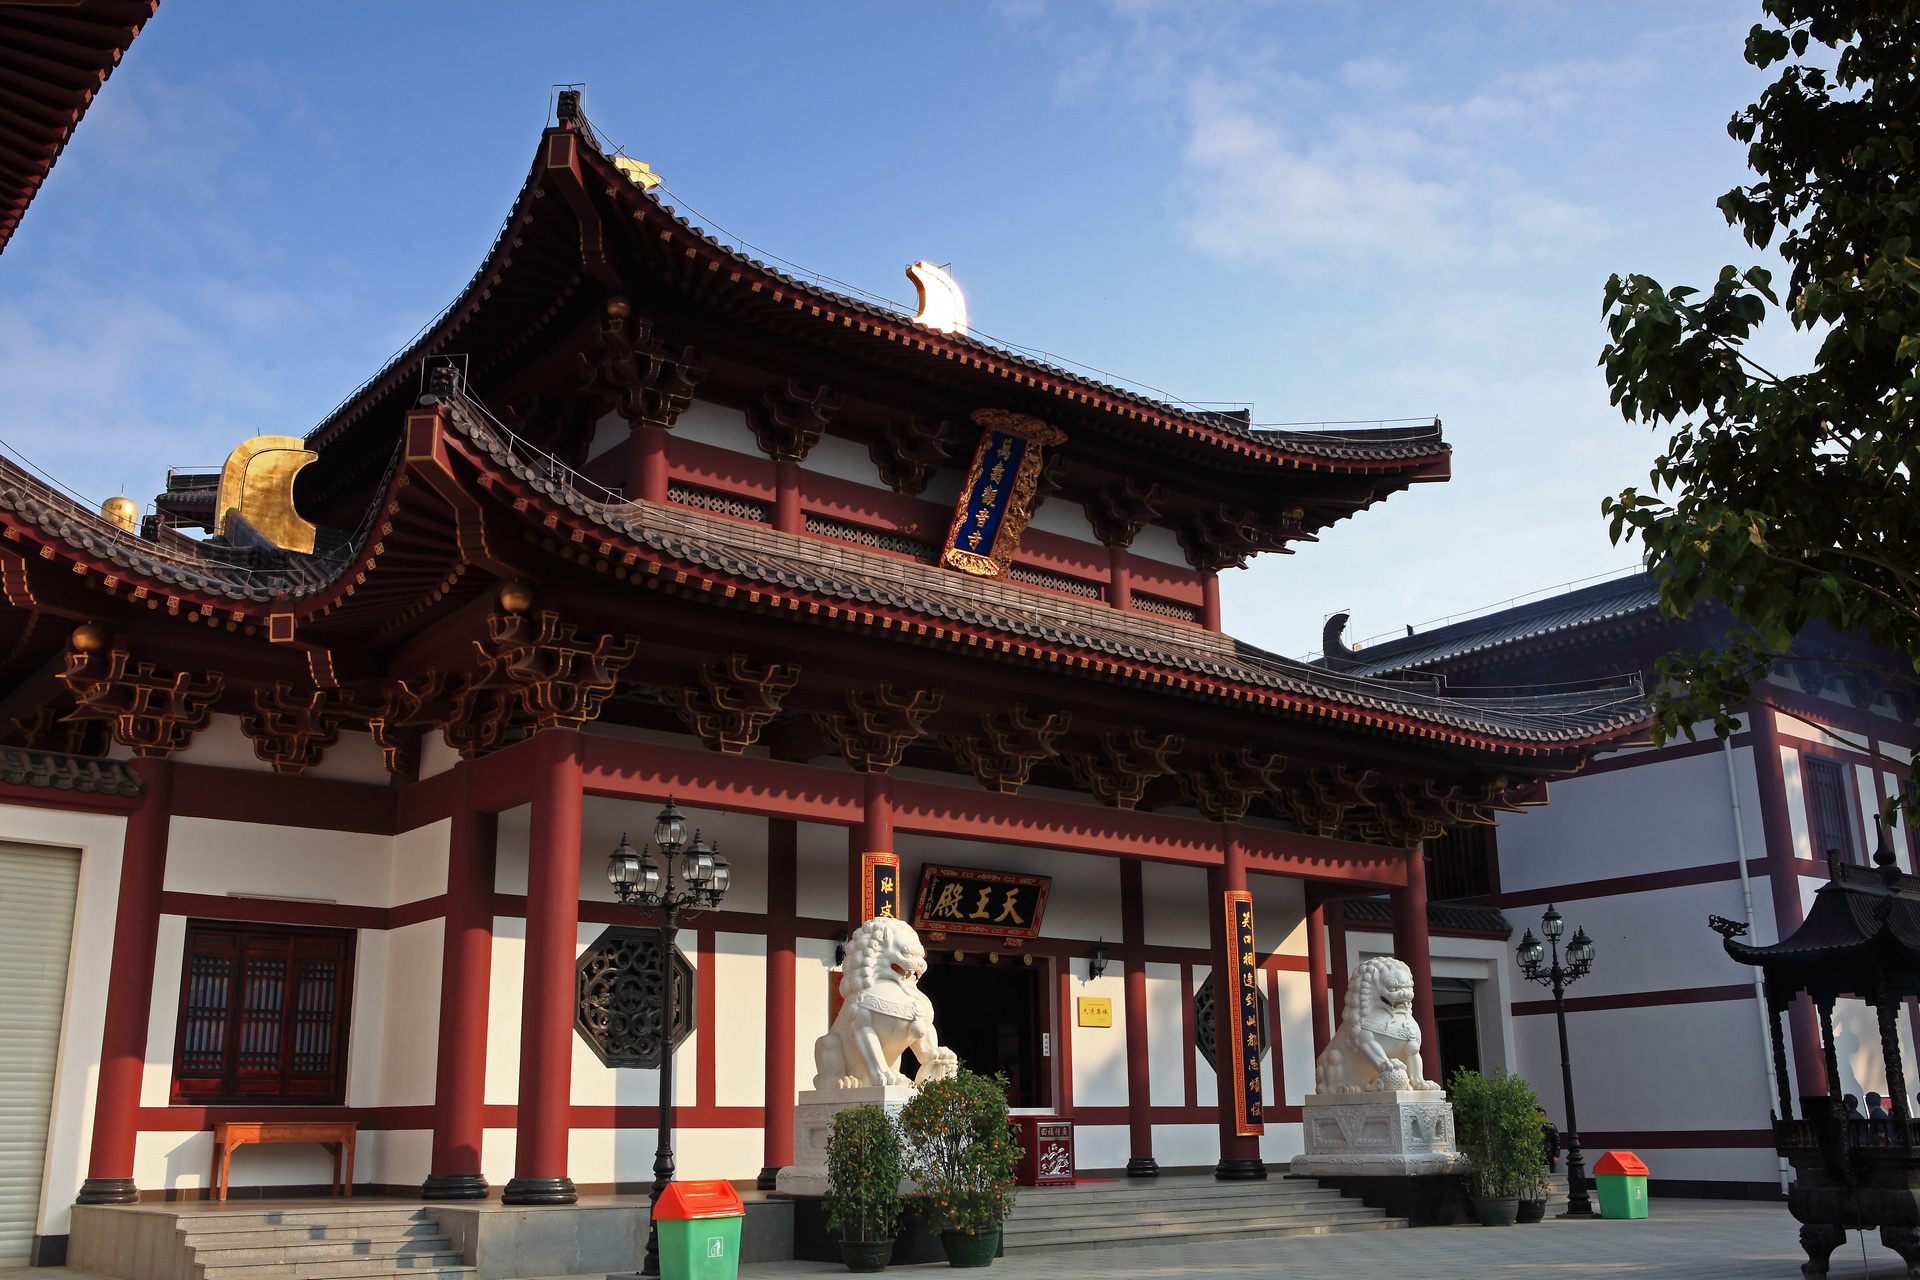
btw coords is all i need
(996, 903)
(997, 500)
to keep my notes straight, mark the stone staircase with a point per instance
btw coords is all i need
(1180, 1210)
(316, 1243)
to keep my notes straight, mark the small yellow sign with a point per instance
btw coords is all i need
(1096, 1011)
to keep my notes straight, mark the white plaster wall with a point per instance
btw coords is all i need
(1101, 1146)
(1099, 1053)
(367, 1029)
(101, 841)
(1186, 1145)
(354, 758)
(1797, 803)
(1279, 914)
(435, 755)
(740, 1019)
(1178, 913)
(420, 863)
(1206, 1085)
(812, 986)
(410, 1031)
(505, 981)
(1280, 1144)
(821, 866)
(844, 460)
(1068, 519)
(497, 1151)
(740, 837)
(1652, 817)
(1652, 941)
(1166, 1038)
(223, 745)
(1294, 1036)
(1155, 543)
(719, 426)
(214, 856)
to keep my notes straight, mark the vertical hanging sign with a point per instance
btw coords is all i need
(1249, 1118)
(879, 886)
(997, 500)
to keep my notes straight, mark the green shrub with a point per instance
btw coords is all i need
(863, 1162)
(1496, 1121)
(962, 1152)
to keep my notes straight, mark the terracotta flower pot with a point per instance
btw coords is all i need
(970, 1248)
(866, 1255)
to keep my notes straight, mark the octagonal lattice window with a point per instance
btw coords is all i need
(620, 996)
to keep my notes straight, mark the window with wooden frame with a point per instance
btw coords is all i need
(263, 1014)
(1829, 807)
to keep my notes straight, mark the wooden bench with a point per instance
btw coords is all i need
(338, 1136)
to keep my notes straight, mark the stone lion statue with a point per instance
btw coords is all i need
(883, 1015)
(1378, 1044)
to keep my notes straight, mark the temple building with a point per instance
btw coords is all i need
(313, 770)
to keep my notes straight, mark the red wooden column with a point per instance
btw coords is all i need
(1783, 878)
(1337, 956)
(647, 462)
(782, 906)
(1239, 1157)
(873, 835)
(546, 1002)
(1120, 578)
(1210, 600)
(787, 517)
(1133, 957)
(123, 1046)
(466, 972)
(1415, 950)
(1317, 974)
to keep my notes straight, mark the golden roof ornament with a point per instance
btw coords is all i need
(637, 172)
(122, 511)
(943, 308)
(256, 484)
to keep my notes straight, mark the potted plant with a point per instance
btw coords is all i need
(962, 1153)
(863, 1163)
(1496, 1118)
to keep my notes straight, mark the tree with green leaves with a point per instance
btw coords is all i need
(1790, 497)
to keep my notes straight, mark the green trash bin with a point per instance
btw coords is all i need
(699, 1224)
(1622, 1181)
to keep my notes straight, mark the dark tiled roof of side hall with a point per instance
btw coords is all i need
(1601, 602)
(1465, 917)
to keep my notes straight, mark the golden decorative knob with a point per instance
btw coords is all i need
(515, 597)
(89, 637)
(124, 512)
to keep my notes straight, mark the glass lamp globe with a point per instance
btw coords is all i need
(696, 864)
(650, 878)
(1529, 952)
(669, 829)
(623, 866)
(1580, 951)
(1553, 924)
(722, 877)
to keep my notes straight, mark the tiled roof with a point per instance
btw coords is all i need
(1601, 602)
(63, 772)
(756, 554)
(1464, 917)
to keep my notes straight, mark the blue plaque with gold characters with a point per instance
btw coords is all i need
(997, 501)
(1249, 1117)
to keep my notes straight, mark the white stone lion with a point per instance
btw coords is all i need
(883, 1015)
(1378, 1044)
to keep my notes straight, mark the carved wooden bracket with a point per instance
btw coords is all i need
(291, 731)
(1319, 801)
(562, 682)
(652, 382)
(153, 714)
(46, 730)
(789, 422)
(388, 708)
(736, 702)
(1127, 762)
(1231, 783)
(1223, 538)
(880, 726)
(482, 716)
(1119, 510)
(1008, 745)
(910, 450)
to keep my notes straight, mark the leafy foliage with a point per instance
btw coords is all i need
(962, 1152)
(1497, 1121)
(864, 1165)
(1791, 497)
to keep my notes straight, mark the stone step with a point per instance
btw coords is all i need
(1172, 1218)
(1117, 1236)
(319, 1216)
(242, 1236)
(422, 1264)
(1122, 1193)
(303, 1251)
(1187, 1211)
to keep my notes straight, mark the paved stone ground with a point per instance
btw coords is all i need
(1682, 1240)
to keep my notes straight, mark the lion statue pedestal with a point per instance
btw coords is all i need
(1374, 1126)
(883, 1014)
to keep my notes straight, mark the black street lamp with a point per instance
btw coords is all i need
(1579, 961)
(641, 882)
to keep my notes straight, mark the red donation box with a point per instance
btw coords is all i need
(1046, 1151)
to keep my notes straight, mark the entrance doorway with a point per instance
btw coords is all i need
(1458, 1025)
(994, 1019)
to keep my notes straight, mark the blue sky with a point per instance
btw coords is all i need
(1333, 212)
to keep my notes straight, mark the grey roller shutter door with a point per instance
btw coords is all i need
(37, 891)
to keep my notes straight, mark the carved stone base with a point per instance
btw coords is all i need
(540, 1191)
(454, 1186)
(1143, 1167)
(1408, 1133)
(813, 1114)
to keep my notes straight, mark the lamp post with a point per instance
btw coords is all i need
(1556, 975)
(641, 882)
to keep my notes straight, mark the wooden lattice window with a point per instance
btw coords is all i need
(1829, 801)
(263, 1014)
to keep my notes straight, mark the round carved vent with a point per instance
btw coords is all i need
(620, 995)
(1203, 1022)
